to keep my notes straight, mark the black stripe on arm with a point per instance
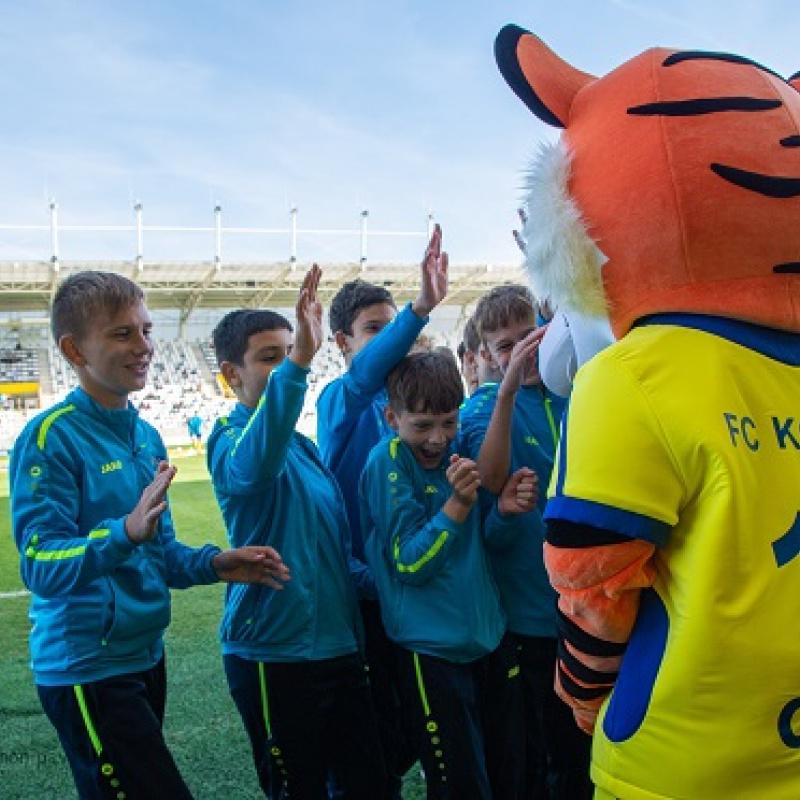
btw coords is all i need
(708, 55)
(702, 105)
(561, 533)
(580, 692)
(581, 671)
(586, 642)
(791, 141)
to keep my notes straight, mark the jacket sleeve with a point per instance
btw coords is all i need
(599, 575)
(340, 405)
(186, 566)
(501, 531)
(417, 547)
(56, 558)
(243, 461)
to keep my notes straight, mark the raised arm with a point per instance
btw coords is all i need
(243, 460)
(494, 459)
(433, 276)
(308, 311)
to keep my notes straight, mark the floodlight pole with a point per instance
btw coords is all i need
(217, 237)
(54, 235)
(139, 239)
(293, 239)
(364, 216)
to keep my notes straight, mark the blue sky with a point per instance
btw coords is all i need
(393, 106)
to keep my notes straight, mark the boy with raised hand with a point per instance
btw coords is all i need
(90, 517)
(372, 338)
(291, 658)
(426, 545)
(518, 427)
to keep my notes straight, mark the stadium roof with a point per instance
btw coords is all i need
(27, 286)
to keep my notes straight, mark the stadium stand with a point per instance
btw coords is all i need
(186, 301)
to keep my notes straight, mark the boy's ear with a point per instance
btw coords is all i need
(230, 372)
(341, 342)
(391, 417)
(70, 350)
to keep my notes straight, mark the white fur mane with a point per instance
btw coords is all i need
(561, 260)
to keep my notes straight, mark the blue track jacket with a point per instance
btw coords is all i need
(436, 591)
(100, 604)
(528, 598)
(273, 489)
(350, 420)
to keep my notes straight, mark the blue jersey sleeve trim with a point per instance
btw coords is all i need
(783, 346)
(628, 523)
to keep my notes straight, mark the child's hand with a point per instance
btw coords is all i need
(522, 366)
(520, 493)
(255, 564)
(308, 337)
(464, 478)
(433, 285)
(141, 523)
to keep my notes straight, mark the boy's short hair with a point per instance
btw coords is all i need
(471, 339)
(87, 295)
(503, 305)
(233, 331)
(426, 383)
(350, 299)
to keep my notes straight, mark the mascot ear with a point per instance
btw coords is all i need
(544, 82)
(795, 81)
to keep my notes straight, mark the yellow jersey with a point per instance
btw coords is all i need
(686, 433)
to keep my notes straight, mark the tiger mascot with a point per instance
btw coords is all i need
(671, 204)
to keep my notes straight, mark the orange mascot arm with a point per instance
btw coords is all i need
(598, 575)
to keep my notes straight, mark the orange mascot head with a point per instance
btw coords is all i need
(675, 186)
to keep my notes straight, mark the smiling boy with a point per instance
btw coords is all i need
(426, 545)
(91, 520)
(291, 658)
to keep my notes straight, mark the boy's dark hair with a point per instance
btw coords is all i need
(350, 299)
(471, 340)
(233, 331)
(85, 296)
(503, 305)
(426, 383)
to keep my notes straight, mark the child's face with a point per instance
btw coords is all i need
(113, 356)
(265, 351)
(499, 343)
(427, 435)
(369, 322)
(469, 371)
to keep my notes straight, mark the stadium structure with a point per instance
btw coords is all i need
(186, 299)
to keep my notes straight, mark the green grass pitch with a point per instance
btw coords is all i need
(202, 726)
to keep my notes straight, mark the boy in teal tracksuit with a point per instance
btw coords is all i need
(372, 338)
(98, 550)
(291, 657)
(426, 546)
(511, 425)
